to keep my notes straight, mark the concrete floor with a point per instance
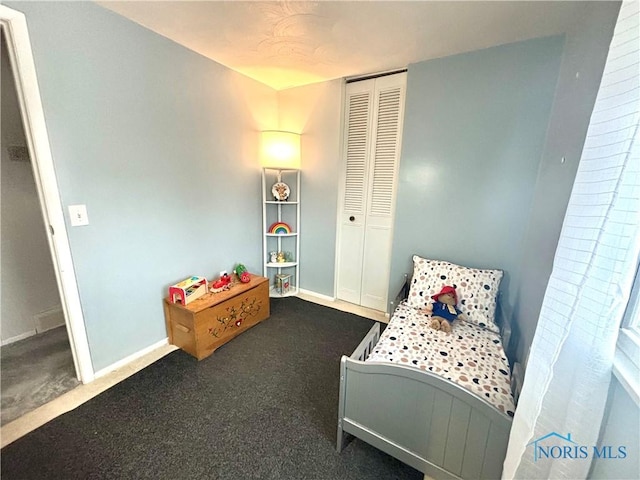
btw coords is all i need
(35, 371)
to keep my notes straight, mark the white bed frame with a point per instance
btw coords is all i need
(420, 418)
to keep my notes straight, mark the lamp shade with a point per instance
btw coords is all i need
(280, 149)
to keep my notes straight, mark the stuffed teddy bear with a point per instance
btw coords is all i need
(444, 309)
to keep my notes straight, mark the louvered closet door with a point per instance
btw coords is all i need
(373, 130)
(359, 98)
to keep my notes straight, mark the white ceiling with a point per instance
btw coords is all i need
(291, 43)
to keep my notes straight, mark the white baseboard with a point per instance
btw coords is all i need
(49, 319)
(341, 305)
(130, 358)
(17, 338)
(317, 295)
(43, 321)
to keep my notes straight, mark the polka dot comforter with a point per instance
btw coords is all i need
(470, 356)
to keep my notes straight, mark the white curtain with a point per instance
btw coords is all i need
(571, 357)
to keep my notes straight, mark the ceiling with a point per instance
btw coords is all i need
(291, 43)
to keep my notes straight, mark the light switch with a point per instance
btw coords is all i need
(78, 214)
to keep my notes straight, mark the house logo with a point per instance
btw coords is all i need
(554, 445)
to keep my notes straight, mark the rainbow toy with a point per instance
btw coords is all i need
(280, 228)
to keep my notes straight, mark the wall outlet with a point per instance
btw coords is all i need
(78, 215)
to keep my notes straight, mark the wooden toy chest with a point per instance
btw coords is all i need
(205, 324)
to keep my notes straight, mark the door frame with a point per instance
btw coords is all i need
(340, 190)
(14, 24)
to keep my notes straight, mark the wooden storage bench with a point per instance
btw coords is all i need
(209, 322)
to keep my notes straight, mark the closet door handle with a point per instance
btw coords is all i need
(352, 218)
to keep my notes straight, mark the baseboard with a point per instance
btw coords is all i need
(131, 358)
(343, 306)
(49, 319)
(317, 295)
(43, 321)
(17, 338)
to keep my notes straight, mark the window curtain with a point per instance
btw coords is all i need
(571, 357)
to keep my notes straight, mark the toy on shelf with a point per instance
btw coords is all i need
(280, 257)
(283, 283)
(280, 190)
(223, 283)
(280, 228)
(188, 290)
(242, 273)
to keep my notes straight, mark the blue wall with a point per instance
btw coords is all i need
(160, 144)
(620, 426)
(583, 61)
(474, 133)
(150, 136)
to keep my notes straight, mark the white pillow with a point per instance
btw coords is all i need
(476, 288)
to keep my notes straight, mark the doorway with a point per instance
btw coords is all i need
(36, 362)
(18, 52)
(374, 113)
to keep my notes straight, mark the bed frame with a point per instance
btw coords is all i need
(420, 418)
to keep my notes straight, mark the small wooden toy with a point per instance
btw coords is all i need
(280, 228)
(242, 273)
(188, 290)
(283, 283)
(223, 283)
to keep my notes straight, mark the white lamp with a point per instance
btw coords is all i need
(280, 149)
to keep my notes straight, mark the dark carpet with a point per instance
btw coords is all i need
(264, 405)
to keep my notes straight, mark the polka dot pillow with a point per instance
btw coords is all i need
(476, 289)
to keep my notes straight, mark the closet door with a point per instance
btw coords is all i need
(373, 130)
(351, 228)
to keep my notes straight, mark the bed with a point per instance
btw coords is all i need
(439, 402)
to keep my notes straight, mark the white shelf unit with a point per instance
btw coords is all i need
(287, 211)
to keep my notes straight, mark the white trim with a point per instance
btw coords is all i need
(131, 358)
(626, 366)
(17, 338)
(626, 362)
(317, 295)
(14, 24)
(343, 306)
(341, 186)
(40, 319)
